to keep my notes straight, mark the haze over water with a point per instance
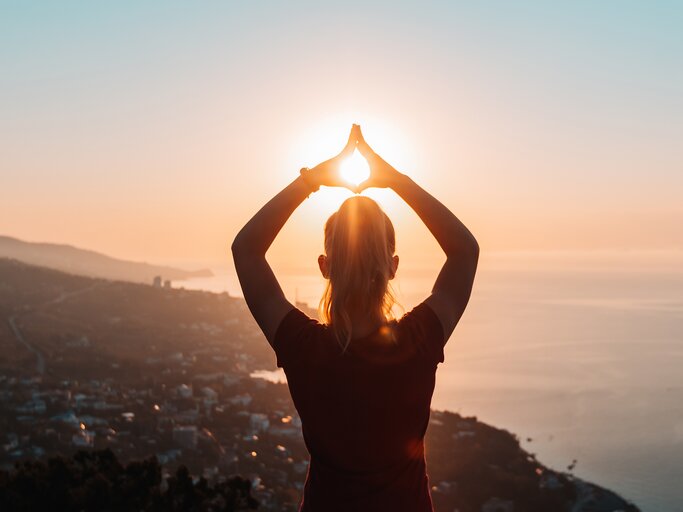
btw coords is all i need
(580, 352)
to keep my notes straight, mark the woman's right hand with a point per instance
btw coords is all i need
(328, 173)
(382, 174)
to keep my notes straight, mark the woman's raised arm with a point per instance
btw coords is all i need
(261, 290)
(453, 286)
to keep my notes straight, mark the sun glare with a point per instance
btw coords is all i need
(355, 169)
(319, 142)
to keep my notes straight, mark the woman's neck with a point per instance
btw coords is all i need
(364, 324)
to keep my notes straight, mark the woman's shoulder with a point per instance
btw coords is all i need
(296, 334)
(422, 327)
(296, 322)
(419, 313)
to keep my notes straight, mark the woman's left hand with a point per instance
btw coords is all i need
(328, 173)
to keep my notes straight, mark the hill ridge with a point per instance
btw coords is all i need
(87, 262)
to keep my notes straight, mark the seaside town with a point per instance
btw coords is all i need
(187, 377)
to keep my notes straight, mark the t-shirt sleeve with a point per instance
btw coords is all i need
(423, 328)
(293, 337)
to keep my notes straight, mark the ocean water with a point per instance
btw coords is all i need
(580, 355)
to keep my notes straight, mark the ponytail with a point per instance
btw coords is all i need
(360, 244)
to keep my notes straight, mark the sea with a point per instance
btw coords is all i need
(580, 354)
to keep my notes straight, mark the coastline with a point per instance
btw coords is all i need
(587, 408)
(166, 298)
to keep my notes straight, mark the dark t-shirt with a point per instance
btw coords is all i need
(364, 412)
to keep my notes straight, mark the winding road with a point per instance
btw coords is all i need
(40, 358)
(12, 321)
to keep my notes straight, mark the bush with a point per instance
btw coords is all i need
(96, 481)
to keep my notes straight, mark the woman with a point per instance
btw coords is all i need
(362, 382)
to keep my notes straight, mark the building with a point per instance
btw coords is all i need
(185, 436)
(184, 391)
(259, 422)
(498, 505)
(83, 439)
(243, 399)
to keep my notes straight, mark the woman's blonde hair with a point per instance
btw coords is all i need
(359, 244)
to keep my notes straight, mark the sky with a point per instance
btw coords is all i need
(154, 130)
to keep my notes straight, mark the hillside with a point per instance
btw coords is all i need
(142, 371)
(89, 263)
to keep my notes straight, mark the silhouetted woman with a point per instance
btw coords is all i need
(361, 382)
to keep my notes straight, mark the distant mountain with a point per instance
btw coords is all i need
(90, 263)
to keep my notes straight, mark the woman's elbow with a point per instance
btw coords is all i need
(244, 246)
(469, 246)
(475, 248)
(238, 245)
(470, 252)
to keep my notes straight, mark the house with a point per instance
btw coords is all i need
(259, 422)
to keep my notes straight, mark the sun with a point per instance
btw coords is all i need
(355, 169)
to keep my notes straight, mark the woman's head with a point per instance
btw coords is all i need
(358, 264)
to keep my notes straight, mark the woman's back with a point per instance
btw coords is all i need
(364, 412)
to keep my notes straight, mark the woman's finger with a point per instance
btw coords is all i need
(362, 186)
(353, 136)
(351, 143)
(363, 146)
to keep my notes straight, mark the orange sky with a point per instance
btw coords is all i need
(541, 132)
